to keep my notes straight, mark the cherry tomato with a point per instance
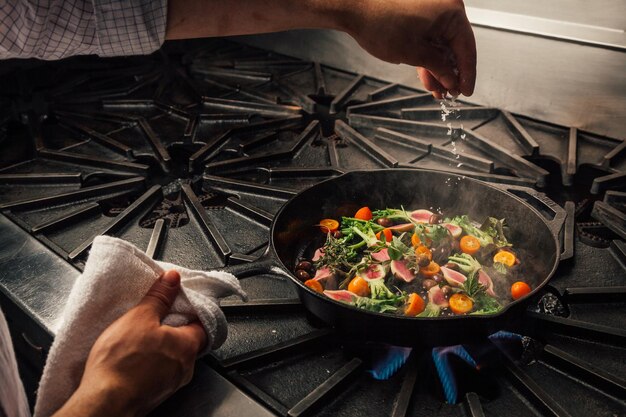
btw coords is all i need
(415, 305)
(359, 287)
(469, 244)
(329, 225)
(519, 289)
(415, 240)
(314, 285)
(431, 269)
(460, 303)
(421, 249)
(364, 213)
(505, 257)
(386, 234)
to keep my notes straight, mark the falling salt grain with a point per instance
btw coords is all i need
(444, 111)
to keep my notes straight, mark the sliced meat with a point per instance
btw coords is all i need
(381, 256)
(341, 295)
(318, 254)
(401, 271)
(327, 278)
(403, 227)
(373, 272)
(455, 231)
(421, 216)
(436, 296)
(452, 277)
(322, 273)
(486, 282)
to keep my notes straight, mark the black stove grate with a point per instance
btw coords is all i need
(190, 154)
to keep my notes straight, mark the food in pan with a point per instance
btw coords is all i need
(415, 263)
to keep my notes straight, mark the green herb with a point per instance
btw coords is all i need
(468, 227)
(390, 214)
(471, 285)
(433, 232)
(337, 255)
(349, 222)
(486, 304)
(380, 305)
(495, 228)
(365, 230)
(500, 267)
(379, 290)
(466, 263)
(397, 249)
(431, 310)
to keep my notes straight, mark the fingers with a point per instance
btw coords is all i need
(193, 335)
(430, 83)
(463, 46)
(441, 68)
(161, 296)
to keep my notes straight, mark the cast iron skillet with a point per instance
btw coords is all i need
(294, 236)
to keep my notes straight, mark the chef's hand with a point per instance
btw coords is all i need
(432, 34)
(137, 362)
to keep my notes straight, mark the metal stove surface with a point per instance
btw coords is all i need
(189, 154)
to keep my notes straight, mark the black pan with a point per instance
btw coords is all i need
(294, 236)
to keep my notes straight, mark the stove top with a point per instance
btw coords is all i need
(189, 153)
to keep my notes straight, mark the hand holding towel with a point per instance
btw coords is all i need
(116, 277)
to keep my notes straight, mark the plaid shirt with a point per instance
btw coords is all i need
(54, 29)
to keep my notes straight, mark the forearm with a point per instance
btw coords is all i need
(205, 18)
(97, 402)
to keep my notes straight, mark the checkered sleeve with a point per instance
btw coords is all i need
(54, 29)
(132, 27)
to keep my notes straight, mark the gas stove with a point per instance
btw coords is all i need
(189, 154)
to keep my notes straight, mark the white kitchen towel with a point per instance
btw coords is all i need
(116, 277)
(13, 402)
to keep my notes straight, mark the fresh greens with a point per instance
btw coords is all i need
(380, 305)
(485, 304)
(466, 263)
(337, 255)
(495, 228)
(490, 232)
(391, 214)
(468, 227)
(431, 310)
(432, 232)
(368, 235)
(500, 267)
(380, 291)
(397, 249)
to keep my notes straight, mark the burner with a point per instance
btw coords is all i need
(595, 234)
(172, 210)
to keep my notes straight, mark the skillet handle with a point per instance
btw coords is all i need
(560, 223)
(265, 264)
